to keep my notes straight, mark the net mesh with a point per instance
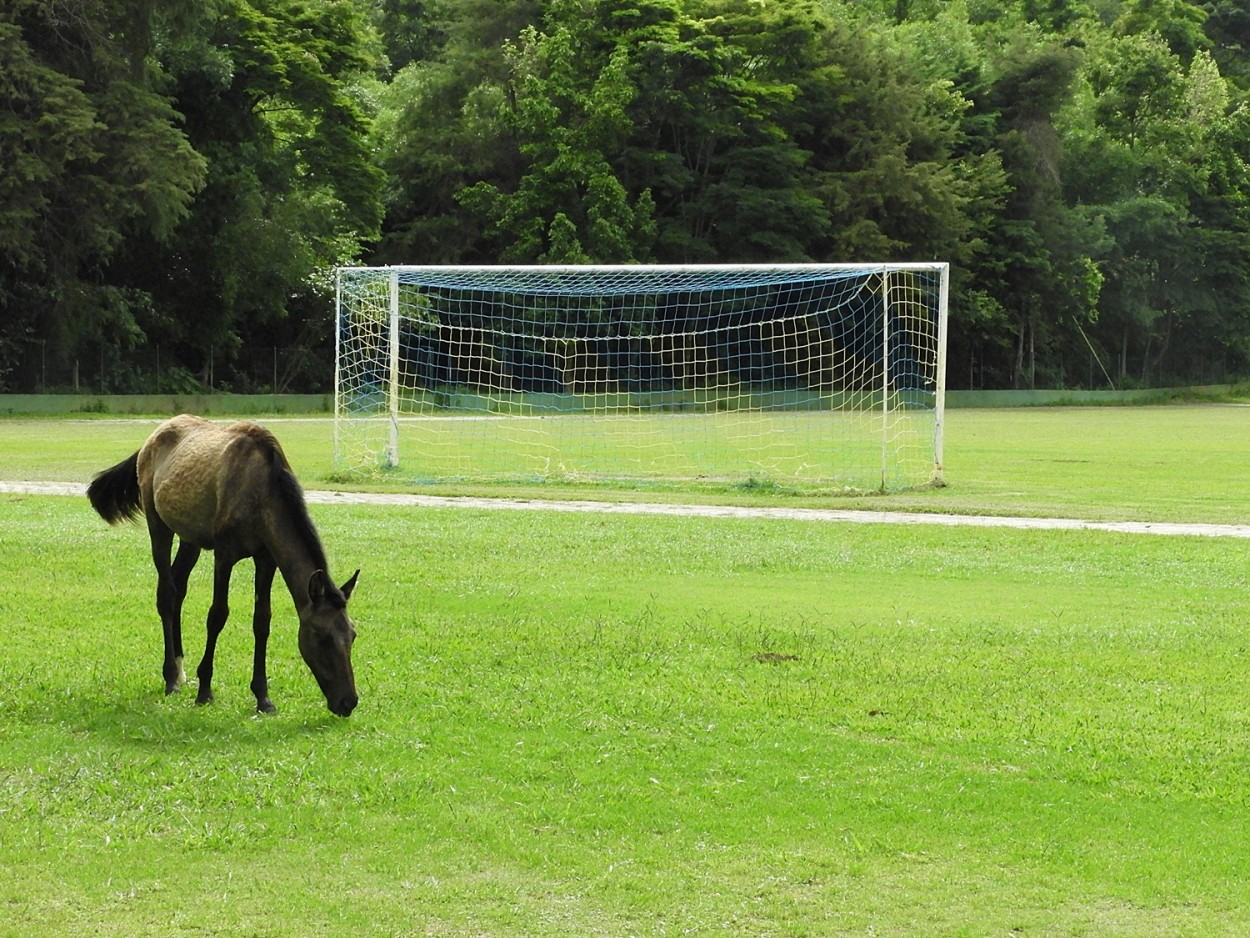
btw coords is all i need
(818, 374)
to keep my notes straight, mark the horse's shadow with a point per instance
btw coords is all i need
(173, 723)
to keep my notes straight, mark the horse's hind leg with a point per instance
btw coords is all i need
(265, 569)
(167, 601)
(218, 612)
(184, 563)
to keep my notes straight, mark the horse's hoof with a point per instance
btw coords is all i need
(265, 706)
(171, 689)
(203, 699)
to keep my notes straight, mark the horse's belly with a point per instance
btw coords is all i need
(201, 480)
(185, 496)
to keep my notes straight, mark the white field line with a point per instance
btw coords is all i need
(845, 516)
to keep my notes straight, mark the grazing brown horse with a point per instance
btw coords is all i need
(231, 490)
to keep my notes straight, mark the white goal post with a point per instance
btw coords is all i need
(826, 375)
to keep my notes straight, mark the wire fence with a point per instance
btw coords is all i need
(45, 368)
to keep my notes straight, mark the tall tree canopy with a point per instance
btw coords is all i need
(186, 175)
(93, 154)
(177, 173)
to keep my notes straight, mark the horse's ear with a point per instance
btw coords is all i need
(350, 585)
(317, 587)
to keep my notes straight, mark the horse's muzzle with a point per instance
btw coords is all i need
(344, 705)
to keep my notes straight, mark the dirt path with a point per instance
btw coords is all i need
(845, 516)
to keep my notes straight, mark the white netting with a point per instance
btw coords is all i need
(827, 374)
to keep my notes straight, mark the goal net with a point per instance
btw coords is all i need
(820, 374)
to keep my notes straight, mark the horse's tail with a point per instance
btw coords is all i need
(114, 493)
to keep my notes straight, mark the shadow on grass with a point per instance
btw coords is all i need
(125, 717)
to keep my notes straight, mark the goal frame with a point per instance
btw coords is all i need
(391, 456)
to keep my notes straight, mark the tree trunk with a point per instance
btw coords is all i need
(1026, 353)
(1017, 380)
(1032, 354)
(1152, 363)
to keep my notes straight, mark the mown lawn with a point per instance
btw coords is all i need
(607, 724)
(1157, 463)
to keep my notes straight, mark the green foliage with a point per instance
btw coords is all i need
(174, 161)
(890, 155)
(442, 128)
(569, 206)
(93, 154)
(291, 185)
(185, 175)
(1177, 22)
(716, 131)
(1228, 28)
(1148, 144)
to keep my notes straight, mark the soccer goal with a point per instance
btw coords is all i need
(829, 375)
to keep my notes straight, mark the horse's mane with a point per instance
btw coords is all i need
(288, 489)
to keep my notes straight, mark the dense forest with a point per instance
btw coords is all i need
(184, 175)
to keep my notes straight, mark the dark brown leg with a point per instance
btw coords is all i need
(265, 569)
(166, 599)
(184, 563)
(218, 612)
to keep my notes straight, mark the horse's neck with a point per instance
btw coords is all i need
(297, 574)
(298, 553)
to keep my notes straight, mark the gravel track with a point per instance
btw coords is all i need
(842, 516)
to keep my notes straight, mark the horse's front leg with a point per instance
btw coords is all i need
(218, 612)
(261, 613)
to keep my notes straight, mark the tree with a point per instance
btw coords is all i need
(568, 206)
(267, 90)
(891, 159)
(1044, 249)
(1228, 29)
(412, 30)
(1177, 22)
(1081, 161)
(718, 119)
(180, 173)
(1161, 157)
(443, 126)
(94, 154)
(1025, 275)
(646, 131)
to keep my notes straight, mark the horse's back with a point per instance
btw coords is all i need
(199, 477)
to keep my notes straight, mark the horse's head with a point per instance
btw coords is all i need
(325, 640)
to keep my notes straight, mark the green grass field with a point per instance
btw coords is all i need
(1157, 463)
(616, 725)
(817, 450)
